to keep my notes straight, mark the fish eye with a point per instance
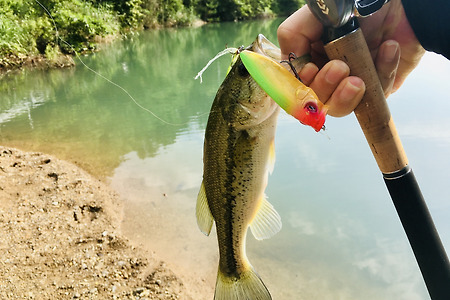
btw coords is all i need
(242, 70)
(311, 107)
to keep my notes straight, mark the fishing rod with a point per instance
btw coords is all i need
(344, 40)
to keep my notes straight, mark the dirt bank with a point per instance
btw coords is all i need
(17, 62)
(60, 237)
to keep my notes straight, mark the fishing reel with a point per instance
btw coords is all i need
(338, 16)
(336, 13)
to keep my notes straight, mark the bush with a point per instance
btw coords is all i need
(286, 7)
(79, 23)
(27, 28)
(174, 13)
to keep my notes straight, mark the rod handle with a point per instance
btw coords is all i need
(373, 112)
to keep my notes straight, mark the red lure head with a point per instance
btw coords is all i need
(311, 113)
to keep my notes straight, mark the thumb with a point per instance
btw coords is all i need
(386, 62)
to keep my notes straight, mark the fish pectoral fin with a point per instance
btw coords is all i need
(204, 217)
(267, 221)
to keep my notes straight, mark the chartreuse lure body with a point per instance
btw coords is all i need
(285, 89)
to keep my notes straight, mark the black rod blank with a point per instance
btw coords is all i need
(421, 232)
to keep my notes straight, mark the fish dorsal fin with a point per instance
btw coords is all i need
(267, 221)
(204, 217)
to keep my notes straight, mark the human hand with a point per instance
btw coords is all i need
(393, 45)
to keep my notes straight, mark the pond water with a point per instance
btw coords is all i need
(341, 237)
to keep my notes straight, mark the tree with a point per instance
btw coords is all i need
(286, 7)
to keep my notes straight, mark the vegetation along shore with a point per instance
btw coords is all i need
(47, 33)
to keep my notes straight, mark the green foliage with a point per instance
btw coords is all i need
(286, 7)
(13, 37)
(27, 29)
(233, 10)
(207, 10)
(79, 23)
(130, 12)
(174, 13)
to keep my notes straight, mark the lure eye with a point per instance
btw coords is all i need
(311, 107)
(242, 70)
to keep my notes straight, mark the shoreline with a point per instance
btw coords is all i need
(12, 62)
(62, 238)
(17, 63)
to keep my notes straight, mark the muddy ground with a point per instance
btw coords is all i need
(60, 237)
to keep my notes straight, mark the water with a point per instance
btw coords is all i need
(341, 237)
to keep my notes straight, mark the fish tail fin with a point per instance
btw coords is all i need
(248, 286)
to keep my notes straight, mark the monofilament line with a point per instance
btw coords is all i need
(221, 53)
(58, 37)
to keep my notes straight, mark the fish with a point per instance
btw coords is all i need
(288, 91)
(238, 156)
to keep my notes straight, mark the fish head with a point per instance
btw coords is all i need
(247, 104)
(251, 104)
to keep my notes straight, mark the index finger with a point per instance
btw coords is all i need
(299, 32)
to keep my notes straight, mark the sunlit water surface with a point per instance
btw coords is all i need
(341, 237)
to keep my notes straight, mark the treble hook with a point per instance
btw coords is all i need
(292, 57)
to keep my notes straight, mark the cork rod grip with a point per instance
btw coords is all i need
(373, 112)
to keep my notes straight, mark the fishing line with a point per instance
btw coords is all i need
(58, 37)
(233, 51)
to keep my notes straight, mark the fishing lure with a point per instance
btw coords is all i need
(286, 90)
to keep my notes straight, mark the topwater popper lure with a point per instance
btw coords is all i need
(285, 89)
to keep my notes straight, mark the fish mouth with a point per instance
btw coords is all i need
(262, 46)
(265, 47)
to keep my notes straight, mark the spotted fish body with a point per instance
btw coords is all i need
(238, 155)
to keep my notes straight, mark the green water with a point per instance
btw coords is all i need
(341, 237)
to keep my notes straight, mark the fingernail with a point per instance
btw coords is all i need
(390, 51)
(336, 73)
(351, 89)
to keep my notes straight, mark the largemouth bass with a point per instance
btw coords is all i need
(238, 156)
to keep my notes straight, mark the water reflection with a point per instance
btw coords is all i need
(89, 117)
(341, 237)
